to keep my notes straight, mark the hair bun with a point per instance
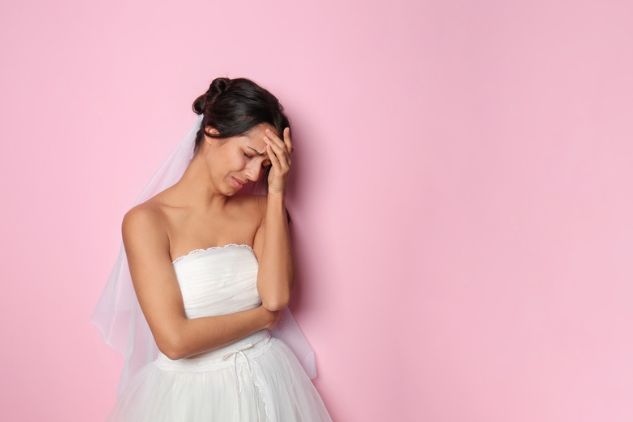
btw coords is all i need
(217, 87)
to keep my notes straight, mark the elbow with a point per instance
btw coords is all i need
(276, 305)
(279, 299)
(173, 353)
(173, 348)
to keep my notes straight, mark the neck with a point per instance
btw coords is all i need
(196, 189)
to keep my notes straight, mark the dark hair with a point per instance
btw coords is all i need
(233, 106)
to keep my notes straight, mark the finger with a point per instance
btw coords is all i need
(287, 140)
(273, 157)
(270, 148)
(281, 162)
(273, 137)
(281, 153)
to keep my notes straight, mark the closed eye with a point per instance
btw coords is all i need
(266, 164)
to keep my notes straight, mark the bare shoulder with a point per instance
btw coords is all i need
(143, 228)
(142, 217)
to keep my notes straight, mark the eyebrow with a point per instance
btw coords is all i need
(258, 153)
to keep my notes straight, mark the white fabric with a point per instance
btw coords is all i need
(118, 315)
(256, 378)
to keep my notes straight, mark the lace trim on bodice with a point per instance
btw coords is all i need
(210, 248)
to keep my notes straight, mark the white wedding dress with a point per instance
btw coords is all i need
(257, 378)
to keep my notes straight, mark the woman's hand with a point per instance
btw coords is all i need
(271, 318)
(279, 153)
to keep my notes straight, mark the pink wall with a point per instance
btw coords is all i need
(462, 196)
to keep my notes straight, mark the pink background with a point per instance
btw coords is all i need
(461, 198)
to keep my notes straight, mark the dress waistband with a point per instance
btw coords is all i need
(251, 345)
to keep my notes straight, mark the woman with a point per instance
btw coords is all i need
(212, 269)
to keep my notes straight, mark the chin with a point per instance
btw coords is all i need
(231, 190)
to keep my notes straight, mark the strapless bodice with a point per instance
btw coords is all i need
(215, 281)
(218, 280)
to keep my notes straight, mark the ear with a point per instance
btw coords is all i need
(210, 130)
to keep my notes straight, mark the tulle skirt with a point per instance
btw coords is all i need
(257, 378)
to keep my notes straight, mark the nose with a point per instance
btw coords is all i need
(252, 173)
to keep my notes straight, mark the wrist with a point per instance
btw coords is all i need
(277, 199)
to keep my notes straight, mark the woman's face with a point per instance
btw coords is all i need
(235, 161)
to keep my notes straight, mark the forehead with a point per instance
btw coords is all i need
(254, 137)
(260, 130)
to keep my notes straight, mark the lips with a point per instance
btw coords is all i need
(237, 182)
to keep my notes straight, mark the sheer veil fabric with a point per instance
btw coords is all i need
(118, 315)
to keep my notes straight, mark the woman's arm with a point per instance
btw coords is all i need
(276, 271)
(156, 286)
(199, 335)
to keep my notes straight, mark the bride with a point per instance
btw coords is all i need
(212, 270)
